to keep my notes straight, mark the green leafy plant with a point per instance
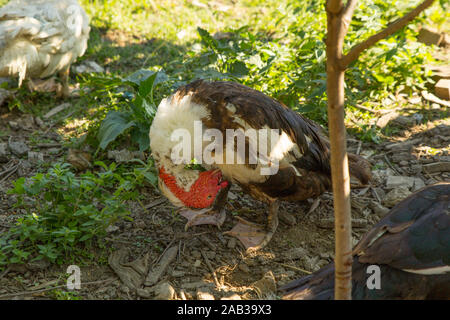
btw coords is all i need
(290, 66)
(285, 60)
(63, 212)
(137, 113)
(59, 294)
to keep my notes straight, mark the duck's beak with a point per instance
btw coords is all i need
(221, 197)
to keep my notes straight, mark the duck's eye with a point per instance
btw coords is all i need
(209, 197)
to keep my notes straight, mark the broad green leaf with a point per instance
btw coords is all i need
(146, 86)
(211, 74)
(140, 135)
(149, 108)
(207, 39)
(239, 69)
(18, 186)
(85, 237)
(146, 79)
(151, 177)
(112, 126)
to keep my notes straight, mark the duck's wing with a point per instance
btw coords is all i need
(415, 236)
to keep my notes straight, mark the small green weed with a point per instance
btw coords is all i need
(62, 212)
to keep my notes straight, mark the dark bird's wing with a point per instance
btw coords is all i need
(317, 286)
(305, 172)
(411, 246)
(259, 111)
(415, 236)
(302, 149)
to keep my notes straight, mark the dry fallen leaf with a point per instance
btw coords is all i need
(79, 159)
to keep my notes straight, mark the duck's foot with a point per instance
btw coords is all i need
(203, 216)
(254, 236)
(250, 234)
(44, 85)
(65, 90)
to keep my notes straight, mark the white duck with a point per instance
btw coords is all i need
(39, 38)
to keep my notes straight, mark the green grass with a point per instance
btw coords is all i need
(161, 32)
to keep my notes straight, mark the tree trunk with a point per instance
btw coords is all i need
(339, 161)
(338, 21)
(341, 185)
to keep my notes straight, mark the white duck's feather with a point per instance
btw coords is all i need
(39, 38)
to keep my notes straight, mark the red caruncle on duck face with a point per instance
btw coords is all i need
(203, 191)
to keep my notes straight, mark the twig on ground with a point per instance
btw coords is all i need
(391, 165)
(294, 268)
(313, 207)
(48, 145)
(4, 273)
(358, 106)
(24, 293)
(167, 248)
(208, 243)
(359, 147)
(376, 194)
(120, 240)
(179, 251)
(155, 203)
(211, 269)
(11, 171)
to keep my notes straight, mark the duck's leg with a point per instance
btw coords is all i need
(254, 236)
(203, 216)
(44, 85)
(64, 77)
(215, 215)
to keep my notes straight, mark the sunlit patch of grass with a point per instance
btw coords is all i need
(427, 150)
(177, 20)
(390, 130)
(75, 127)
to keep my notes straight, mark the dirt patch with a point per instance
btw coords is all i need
(208, 264)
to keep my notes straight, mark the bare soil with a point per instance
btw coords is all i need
(207, 263)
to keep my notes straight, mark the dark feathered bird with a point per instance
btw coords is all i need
(411, 246)
(295, 167)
